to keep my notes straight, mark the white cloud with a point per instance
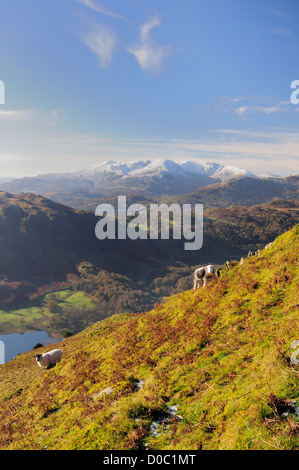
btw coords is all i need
(98, 8)
(148, 53)
(17, 115)
(102, 42)
(242, 111)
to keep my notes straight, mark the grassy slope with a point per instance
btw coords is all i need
(221, 354)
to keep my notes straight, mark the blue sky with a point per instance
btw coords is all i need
(93, 80)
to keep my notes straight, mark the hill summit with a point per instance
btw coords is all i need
(208, 369)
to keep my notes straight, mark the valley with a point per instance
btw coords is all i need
(49, 252)
(149, 363)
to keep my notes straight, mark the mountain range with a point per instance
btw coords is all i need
(144, 177)
(190, 182)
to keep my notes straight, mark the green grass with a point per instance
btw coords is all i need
(79, 299)
(222, 354)
(26, 316)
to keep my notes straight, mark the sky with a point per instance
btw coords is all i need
(87, 81)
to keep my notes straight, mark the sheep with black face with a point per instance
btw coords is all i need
(49, 359)
(204, 273)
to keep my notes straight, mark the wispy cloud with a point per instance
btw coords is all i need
(17, 115)
(281, 14)
(98, 8)
(243, 111)
(227, 100)
(243, 107)
(285, 32)
(274, 150)
(102, 42)
(150, 55)
(269, 106)
(54, 113)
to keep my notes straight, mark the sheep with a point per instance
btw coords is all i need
(268, 245)
(254, 253)
(49, 359)
(219, 272)
(231, 264)
(202, 274)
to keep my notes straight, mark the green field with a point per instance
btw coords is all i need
(43, 310)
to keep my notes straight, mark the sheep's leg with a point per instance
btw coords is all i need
(50, 366)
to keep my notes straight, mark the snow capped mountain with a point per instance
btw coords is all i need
(160, 168)
(156, 177)
(147, 177)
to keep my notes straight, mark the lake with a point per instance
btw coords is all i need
(13, 344)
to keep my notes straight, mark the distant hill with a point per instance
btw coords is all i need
(209, 370)
(5, 179)
(41, 239)
(41, 233)
(243, 192)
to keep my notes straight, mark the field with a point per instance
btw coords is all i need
(41, 312)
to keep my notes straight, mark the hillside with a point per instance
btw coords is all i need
(206, 370)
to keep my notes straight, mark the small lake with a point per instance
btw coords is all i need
(13, 344)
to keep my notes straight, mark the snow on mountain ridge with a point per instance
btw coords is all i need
(114, 167)
(150, 168)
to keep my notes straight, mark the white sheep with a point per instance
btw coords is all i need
(268, 246)
(202, 274)
(49, 359)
